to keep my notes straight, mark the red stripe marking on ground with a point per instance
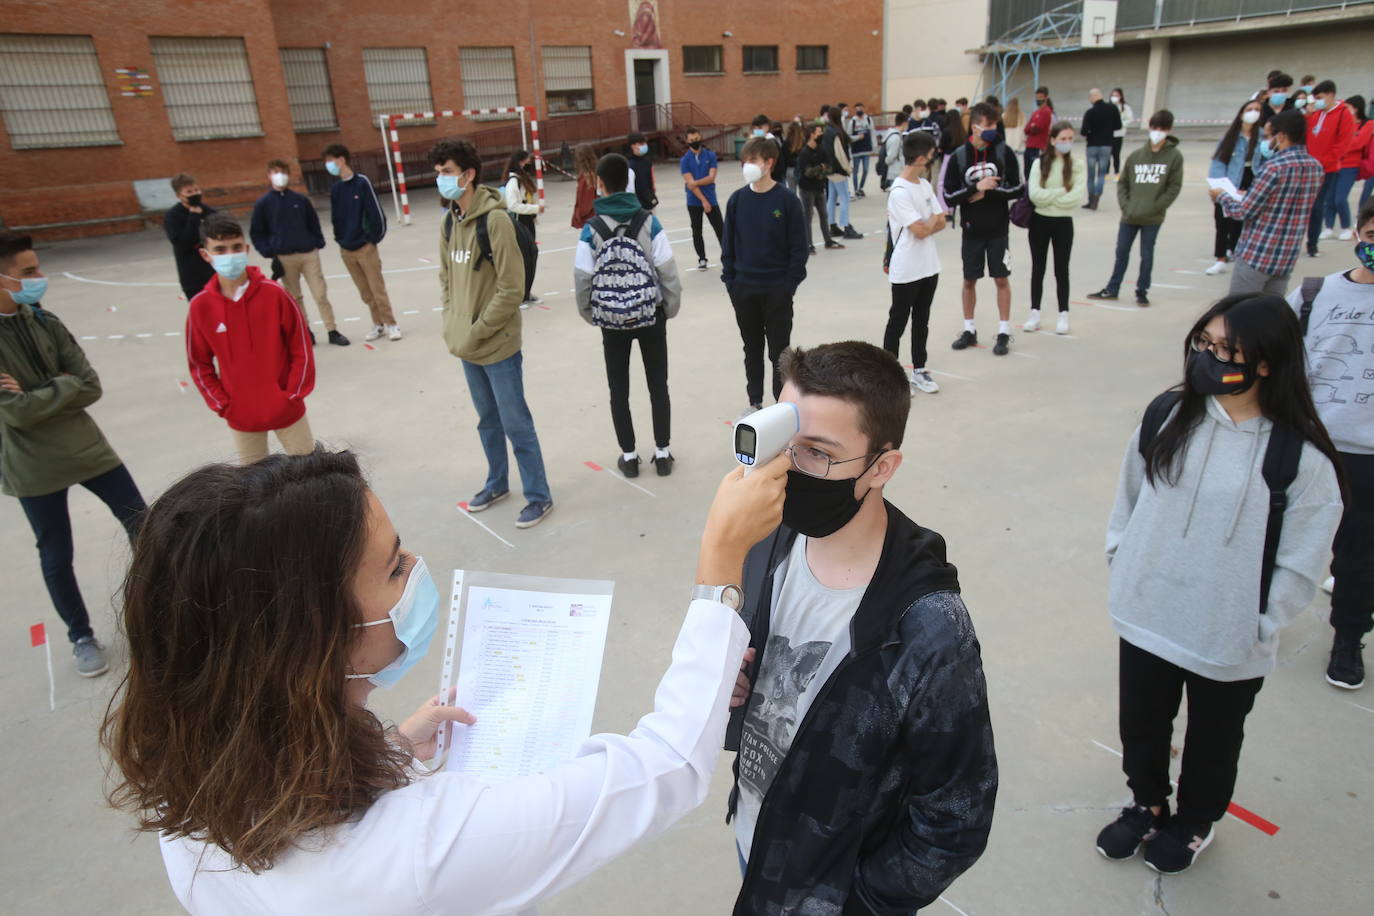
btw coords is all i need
(463, 506)
(546, 308)
(38, 635)
(1253, 819)
(368, 346)
(593, 465)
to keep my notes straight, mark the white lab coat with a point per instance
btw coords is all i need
(452, 844)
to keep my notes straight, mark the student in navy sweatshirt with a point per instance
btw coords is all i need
(286, 227)
(359, 227)
(763, 261)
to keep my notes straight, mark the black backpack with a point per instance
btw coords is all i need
(1280, 469)
(1311, 288)
(529, 251)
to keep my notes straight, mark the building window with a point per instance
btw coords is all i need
(398, 82)
(813, 57)
(760, 58)
(703, 59)
(207, 87)
(568, 79)
(52, 94)
(308, 89)
(488, 80)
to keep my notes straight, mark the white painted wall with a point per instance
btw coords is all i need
(923, 49)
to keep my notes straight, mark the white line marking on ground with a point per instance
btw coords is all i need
(1026, 355)
(621, 476)
(962, 378)
(72, 276)
(946, 901)
(1105, 748)
(1173, 286)
(465, 512)
(354, 318)
(171, 333)
(411, 312)
(1358, 706)
(89, 337)
(143, 335)
(552, 292)
(116, 337)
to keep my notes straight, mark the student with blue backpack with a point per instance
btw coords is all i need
(627, 285)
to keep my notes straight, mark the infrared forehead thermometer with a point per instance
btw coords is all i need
(764, 433)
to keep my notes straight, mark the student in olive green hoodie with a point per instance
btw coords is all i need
(481, 297)
(48, 443)
(1149, 184)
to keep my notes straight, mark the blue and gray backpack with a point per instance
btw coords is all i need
(625, 290)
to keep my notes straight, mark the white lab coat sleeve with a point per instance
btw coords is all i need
(506, 847)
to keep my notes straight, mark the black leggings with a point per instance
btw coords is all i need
(653, 350)
(527, 220)
(1227, 233)
(1044, 231)
(911, 300)
(698, 242)
(1116, 155)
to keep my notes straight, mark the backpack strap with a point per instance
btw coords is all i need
(483, 242)
(636, 224)
(1311, 288)
(1280, 470)
(1155, 415)
(600, 229)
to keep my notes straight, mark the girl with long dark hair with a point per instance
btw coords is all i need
(1055, 191)
(520, 198)
(1185, 545)
(1236, 157)
(584, 162)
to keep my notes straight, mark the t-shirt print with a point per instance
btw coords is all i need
(772, 721)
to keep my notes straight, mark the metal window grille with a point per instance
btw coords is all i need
(52, 93)
(207, 87)
(703, 59)
(813, 57)
(760, 58)
(568, 78)
(398, 82)
(308, 89)
(488, 80)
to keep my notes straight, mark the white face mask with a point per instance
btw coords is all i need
(1158, 136)
(1064, 148)
(1116, 100)
(280, 179)
(922, 114)
(1250, 117)
(752, 172)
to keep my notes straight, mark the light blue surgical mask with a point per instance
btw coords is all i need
(1319, 104)
(31, 289)
(230, 265)
(332, 167)
(759, 132)
(1278, 98)
(449, 188)
(641, 150)
(415, 617)
(1064, 148)
(1265, 149)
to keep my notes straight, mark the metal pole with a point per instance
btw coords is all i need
(538, 155)
(524, 144)
(400, 170)
(390, 173)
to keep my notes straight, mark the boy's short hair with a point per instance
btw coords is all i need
(635, 137)
(220, 226)
(614, 171)
(1309, 78)
(961, 101)
(917, 143)
(691, 129)
(458, 151)
(1366, 215)
(1280, 80)
(11, 245)
(901, 118)
(1042, 90)
(279, 164)
(982, 113)
(759, 148)
(337, 151)
(866, 376)
(182, 180)
(1324, 87)
(1292, 124)
(761, 120)
(1162, 119)
(919, 103)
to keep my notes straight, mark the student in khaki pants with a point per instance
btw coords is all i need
(359, 226)
(285, 226)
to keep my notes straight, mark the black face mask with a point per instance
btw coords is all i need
(1209, 375)
(193, 200)
(695, 144)
(818, 506)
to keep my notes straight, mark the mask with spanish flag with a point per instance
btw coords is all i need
(1209, 375)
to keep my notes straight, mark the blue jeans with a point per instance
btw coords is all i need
(837, 196)
(860, 174)
(1125, 238)
(1324, 198)
(1339, 205)
(743, 863)
(1099, 160)
(1368, 190)
(498, 393)
(52, 526)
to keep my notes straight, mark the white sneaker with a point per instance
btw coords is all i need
(1033, 324)
(1062, 325)
(377, 331)
(1327, 234)
(1346, 235)
(921, 381)
(1218, 268)
(393, 332)
(1329, 584)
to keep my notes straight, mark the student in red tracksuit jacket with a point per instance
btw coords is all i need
(1330, 125)
(248, 348)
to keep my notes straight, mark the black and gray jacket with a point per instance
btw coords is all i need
(886, 794)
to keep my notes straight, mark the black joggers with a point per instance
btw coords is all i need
(764, 316)
(1227, 233)
(911, 301)
(653, 349)
(1352, 600)
(1044, 232)
(1151, 690)
(698, 242)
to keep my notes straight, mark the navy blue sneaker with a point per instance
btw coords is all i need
(533, 514)
(486, 499)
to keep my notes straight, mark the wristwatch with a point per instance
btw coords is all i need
(729, 595)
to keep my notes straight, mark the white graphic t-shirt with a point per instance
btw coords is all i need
(807, 637)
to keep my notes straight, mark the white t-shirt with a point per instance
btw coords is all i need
(808, 635)
(912, 258)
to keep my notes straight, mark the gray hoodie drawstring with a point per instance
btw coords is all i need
(1197, 487)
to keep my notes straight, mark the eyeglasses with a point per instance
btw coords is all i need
(1222, 352)
(815, 463)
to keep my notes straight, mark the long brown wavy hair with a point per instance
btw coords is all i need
(232, 725)
(1050, 155)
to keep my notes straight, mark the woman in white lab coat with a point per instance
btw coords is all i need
(262, 605)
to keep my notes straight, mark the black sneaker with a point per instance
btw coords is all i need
(1177, 846)
(851, 233)
(1137, 824)
(1103, 293)
(835, 230)
(810, 249)
(664, 464)
(1346, 668)
(312, 337)
(628, 468)
(338, 339)
(701, 263)
(860, 194)
(966, 340)
(1142, 300)
(1003, 345)
(831, 246)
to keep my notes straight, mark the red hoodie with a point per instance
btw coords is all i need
(1359, 146)
(250, 358)
(1328, 135)
(1038, 128)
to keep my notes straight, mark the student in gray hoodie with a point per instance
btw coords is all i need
(1184, 546)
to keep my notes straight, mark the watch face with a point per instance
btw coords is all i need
(732, 597)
